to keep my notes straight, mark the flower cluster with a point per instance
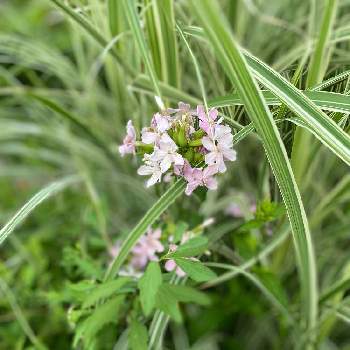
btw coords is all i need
(193, 144)
(150, 246)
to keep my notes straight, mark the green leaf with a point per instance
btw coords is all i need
(166, 302)
(236, 68)
(105, 290)
(148, 285)
(138, 336)
(192, 247)
(195, 269)
(186, 294)
(104, 314)
(37, 199)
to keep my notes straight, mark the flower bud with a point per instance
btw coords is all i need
(181, 137)
(189, 155)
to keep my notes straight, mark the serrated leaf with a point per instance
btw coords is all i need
(186, 294)
(105, 290)
(148, 286)
(195, 269)
(166, 302)
(138, 336)
(104, 314)
(192, 247)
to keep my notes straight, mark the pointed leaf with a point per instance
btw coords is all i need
(148, 285)
(195, 269)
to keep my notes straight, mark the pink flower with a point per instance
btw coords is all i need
(146, 248)
(207, 122)
(219, 147)
(128, 145)
(159, 125)
(161, 122)
(184, 109)
(170, 265)
(149, 136)
(200, 177)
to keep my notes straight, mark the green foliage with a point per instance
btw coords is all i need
(192, 247)
(195, 269)
(72, 73)
(103, 315)
(149, 285)
(138, 336)
(105, 290)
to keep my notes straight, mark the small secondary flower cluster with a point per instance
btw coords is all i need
(146, 250)
(151, 244)
(193, 144)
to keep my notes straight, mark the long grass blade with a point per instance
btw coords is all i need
(329, 101)
(38, 198)
(237, 70)
(134, 23)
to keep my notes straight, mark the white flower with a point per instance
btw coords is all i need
(160, 161)
(161, 122)
(166, 153)
(151, 167)
(159, 125)
(219, 147)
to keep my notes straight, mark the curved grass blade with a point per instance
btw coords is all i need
(21, 319)
(276, 242)
(160, 23)
(38, 198)
(75, 121)
(149, 218)
(251, 277)
(94, 33)
(329, 101)
(134, 23)
(332, 81)
(236, 68)
(326, 130)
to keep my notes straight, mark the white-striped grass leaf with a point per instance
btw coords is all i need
(94, 33)
(129, 7)
(332, 81)
(160, 25)
(318, 62)
(37, 199)
(329, 101)
(327, 131)
(237, 70)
